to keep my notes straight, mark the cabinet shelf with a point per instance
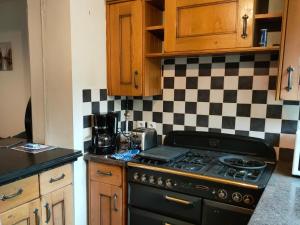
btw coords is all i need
(157, 31)
(219, 51)
(268, 16)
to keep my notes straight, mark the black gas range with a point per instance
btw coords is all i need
(199, 178)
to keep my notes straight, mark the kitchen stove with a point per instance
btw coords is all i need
(220, 176)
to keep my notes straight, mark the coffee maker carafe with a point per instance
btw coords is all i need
(104, 133)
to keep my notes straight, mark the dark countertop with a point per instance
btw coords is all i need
(104, 159)
(15, 165)
(280, 202)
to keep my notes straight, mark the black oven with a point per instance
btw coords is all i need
(154, 206)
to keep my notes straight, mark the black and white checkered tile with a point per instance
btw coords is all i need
(231, 94)
(97, 101)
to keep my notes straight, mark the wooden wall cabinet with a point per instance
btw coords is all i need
(107, 194)
(129, 73)
(197, 25)
(289, 69)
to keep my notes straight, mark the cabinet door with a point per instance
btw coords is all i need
(195, 25)
(105, 204)
(124, 37)
(57, 207)
(290, 67)
(27, 214)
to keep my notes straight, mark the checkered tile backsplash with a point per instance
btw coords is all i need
(231, 94)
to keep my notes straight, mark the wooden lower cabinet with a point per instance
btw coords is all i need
(105, 204)
(26, 214)
(57, 207)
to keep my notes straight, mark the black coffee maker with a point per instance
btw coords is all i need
(104, 133)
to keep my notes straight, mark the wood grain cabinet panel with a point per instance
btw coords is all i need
(289, 72)
(125, 48)
(105, 204)
(105, 173)
(55, 179)
(197, 25)
(26, 214)
(57, 207)
(18, 192)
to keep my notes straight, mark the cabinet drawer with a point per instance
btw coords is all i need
(105, 173)
(29, 214)
(18, 193)
(56, 178)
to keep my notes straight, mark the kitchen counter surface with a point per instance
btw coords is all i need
(280, 202)
(16, 165)
(104, 159)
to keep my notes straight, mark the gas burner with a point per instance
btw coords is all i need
(187, 166)
(242, 162)
(240, 174)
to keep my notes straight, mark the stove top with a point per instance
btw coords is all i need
(227, 166)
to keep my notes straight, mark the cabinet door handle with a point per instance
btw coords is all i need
(245, 24)
(290, 71)
(52, 180)
(48, 213)
(37, 217)
(115, 202)
(178, 201)
(136, 73)
(101, 173)
(7, 197)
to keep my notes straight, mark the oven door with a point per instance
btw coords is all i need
(142, 217)
(215, 213)
(168, 203)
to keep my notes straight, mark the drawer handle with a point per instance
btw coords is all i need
(37, 217)
(177, 200)
(245, 18)
(52, 180)
(101, 173)
(7, 197)
(136, 73)
(115, 202)
(290, 71)
(48, 213)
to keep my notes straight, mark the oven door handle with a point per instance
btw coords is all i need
(178, 201)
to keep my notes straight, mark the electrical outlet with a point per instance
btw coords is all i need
(140, 124)
(151, 125)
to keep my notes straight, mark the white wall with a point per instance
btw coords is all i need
(14, 85)
(88, 34)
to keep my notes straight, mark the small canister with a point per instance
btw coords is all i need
(263, 37)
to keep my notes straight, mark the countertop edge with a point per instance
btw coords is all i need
(35, 169)
(104, 159)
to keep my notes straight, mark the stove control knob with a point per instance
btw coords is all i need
(151, 180)
(136, 176)
(160, 181)
(144, 178)
(222, 194)
(248, 199)
(169, 183)
(237, 197)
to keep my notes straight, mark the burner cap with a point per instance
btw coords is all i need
(242, 162)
